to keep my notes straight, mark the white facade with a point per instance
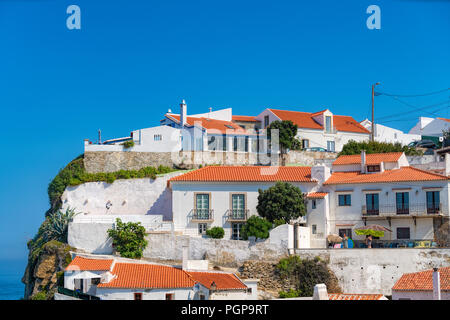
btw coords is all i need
(147, 294)
(390, 135)
(417, 295)
(430, 127)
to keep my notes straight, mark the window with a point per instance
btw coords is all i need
(433, 201)
(95, 281)
(224, 142)
(238, 206)
(375, 168)
(202, 205)
(236, 229)
(201, 296)
(347, 232)
(266, 121)
(403, 233)
(372, 205)
(313, 204)
(157, 137)
(330, 146)
(202, 228)
(328, 124)
(246, 144)
(314, 229)
(138, 296)
(345, 200)
(229, 127)
(212, 143)
(235, 143)
(402, 202)
(169, 296)
(305, 143)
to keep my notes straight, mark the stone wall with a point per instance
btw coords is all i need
(110, 161)
(269, 279)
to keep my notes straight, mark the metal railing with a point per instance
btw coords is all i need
(202, 214)
(237, 214)
(76, 294)
(420, 209)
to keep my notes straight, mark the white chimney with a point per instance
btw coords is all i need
(363, 161)
(447, 164)
(320, 173)
(436, 284)
(320, 292)
(185, 257)
(183, 112)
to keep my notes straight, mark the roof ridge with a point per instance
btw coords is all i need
(426, 171)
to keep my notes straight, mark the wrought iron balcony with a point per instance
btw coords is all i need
(237, 215)
(201, 215)
(413, 210)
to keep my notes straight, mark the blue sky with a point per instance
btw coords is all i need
(131, 61)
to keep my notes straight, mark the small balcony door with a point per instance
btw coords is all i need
(238, 206)
(433, 202)
(202, 206)
(372, 204)
(402, 202)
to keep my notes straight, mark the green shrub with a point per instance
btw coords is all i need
(278, 222)
(215, 233)
(353, 147)
(128, 239)
(128, 144)
(256, 227)
(42, 295)
(289, 294)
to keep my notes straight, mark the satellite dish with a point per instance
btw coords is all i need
(441, 139)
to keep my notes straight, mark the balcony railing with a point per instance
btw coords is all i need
(421, 209)
(76, 294)
(201, 215)
(237, 215)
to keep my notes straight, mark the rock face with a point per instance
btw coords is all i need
(269, 278)
(45, 272)
(442, 231)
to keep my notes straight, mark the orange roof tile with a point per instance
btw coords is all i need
(214, 125)
(351, 296)
(135, 275)
(316, 195)
(244, 118)
(247, 174)
(397, 175)
(86, 264)
(447, 120)
(422, 281)
(371, 158)
(223, 281)
(305, 120)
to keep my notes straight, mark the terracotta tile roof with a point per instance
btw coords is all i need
(86, 264)
(305, 120)
(136, 275)
(372, 158)
(316, 195)
(422, 281)
(213, 125)
(223, 281)
(244, 118)
(397, 175)
(247, 174)
(448, 120)
(350, 296)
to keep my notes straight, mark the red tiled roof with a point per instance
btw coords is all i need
(247, 174)
(305, 120)
(244, 118)
(316, 195)
(396, 175)
(86, 264)
(223, 281)
(350, 296)
(423, 281)
(135, 275)
(372, 158)
(214, 125)
(448, 120)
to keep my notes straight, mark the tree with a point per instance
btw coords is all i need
(353, 147)
(287, 131)
(281, 201)
(215, 232)
(256, 227)
(128, 239)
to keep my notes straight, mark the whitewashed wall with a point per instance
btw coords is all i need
(147, 294)
(418, 295)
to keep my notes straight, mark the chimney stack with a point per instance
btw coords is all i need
(185, 257)
(183, 113)
(320, 292)
(363, 161)
(436, 284)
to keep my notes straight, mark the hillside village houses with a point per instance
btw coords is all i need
(390, 135)
(432, 127)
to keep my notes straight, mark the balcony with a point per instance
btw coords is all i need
(76, 294)
(201, 215)
(414, 210)
(237, 215)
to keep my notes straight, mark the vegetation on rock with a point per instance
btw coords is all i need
(128, 239)
(128, 144)
(256, 227)
(353, 147)
(215, 232)
(283, 201)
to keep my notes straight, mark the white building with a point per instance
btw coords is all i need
(390, 135)
(113, 279)
(320, 129)
(430, 126)
(431, 284)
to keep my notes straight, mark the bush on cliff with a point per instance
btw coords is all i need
(353, 147)
(128, 239)
(215, 232)
(256, 227)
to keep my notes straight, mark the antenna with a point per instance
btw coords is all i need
(99, 136)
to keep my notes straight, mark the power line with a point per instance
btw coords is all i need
(412, 95)
(415, 108)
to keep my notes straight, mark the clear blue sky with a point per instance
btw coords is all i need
(132, 60)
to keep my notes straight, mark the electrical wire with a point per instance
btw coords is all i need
(412, 95)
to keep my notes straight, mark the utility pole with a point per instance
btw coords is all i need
(372, 135)
(100, 135)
